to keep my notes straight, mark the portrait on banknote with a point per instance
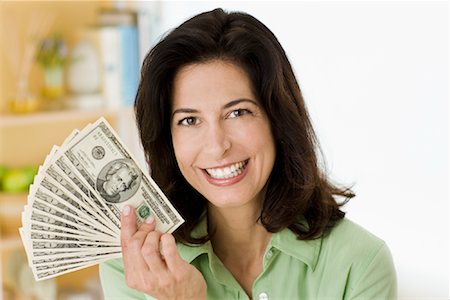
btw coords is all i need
(118, 180)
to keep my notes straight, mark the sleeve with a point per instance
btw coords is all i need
(378, 280)
(112, 278)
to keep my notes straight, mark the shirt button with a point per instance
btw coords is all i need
(263, 296)
(269, 254)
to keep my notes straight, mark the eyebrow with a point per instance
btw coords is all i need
(227, 105)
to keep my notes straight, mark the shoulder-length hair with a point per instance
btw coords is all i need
(297, 190)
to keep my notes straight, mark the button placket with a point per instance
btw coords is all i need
(268, 257)
(261, 282)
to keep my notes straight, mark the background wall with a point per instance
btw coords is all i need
(375, 78)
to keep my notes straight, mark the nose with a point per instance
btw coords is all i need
(217, 141)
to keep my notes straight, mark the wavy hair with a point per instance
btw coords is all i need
(299, 196)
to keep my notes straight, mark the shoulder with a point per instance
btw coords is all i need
(350, 243)
(347, 263)
(365, 259)
(348, 234)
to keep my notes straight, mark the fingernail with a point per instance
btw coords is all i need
(126, 210)
(149, 220)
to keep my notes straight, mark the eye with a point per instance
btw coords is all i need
(239, 112)
(189, 121)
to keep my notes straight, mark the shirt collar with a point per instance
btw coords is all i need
(285, 241)
(306, 251)
(191, 252)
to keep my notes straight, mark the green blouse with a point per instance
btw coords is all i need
(348, 263)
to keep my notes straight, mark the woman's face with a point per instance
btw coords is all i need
(221, 135)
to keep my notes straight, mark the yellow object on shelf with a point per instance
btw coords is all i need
(53, 88)
(24, 105)
(53, 92)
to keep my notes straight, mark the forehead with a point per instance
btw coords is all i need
(210, 82)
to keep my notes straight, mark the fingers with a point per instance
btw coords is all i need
(151, 252)
(141, 246)
(164, 275)
(132, 239)
(129, 228)
(127, 224)
(146, 227)
(170, 252)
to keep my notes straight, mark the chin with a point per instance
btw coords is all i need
(227, 202)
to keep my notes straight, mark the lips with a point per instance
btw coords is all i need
(228, 171)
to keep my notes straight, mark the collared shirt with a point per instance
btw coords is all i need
(348, 263)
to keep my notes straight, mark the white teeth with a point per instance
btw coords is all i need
(228, 172)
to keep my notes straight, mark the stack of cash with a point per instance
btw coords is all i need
(72, 218)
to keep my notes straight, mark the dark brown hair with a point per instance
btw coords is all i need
(298, 196)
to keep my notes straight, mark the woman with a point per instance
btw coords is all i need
(228, 138)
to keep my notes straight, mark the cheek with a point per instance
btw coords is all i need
(111, 180)
(264, 146)
(257, 136)
(184, 151)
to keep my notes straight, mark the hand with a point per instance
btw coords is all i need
(163, 276)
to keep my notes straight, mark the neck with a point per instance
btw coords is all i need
(239, 241)
(237, 233)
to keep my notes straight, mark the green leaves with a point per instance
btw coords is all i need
(52, 52)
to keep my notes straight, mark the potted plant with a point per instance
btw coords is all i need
(51, 55)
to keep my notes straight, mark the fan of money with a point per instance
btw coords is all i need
(72, 216)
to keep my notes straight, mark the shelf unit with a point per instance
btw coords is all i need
(26, 140)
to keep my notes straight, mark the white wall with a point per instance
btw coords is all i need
(375, 78)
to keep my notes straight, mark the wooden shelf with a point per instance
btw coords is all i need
(27, 139)
(11, 207)
(59, 116)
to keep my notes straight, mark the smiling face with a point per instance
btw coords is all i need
(221, 135)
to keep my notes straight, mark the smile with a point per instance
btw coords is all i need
(227, 172)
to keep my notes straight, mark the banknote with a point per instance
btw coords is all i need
(90, 205)
(46, 273)
(107, 168)
(60, 196)
(72, 217)
(71, 174)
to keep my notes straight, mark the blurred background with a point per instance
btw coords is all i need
(374, 75)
